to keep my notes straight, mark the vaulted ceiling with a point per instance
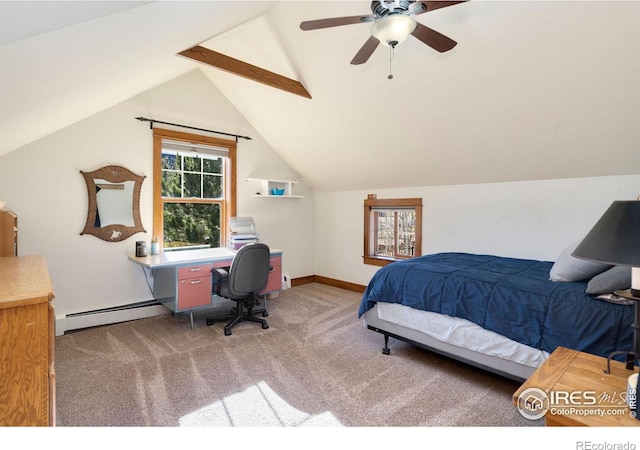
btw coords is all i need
(533, 90)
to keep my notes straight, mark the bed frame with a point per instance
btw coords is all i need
(505, 368)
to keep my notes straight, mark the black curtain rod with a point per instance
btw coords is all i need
(143, 119)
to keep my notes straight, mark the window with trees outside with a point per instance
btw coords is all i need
(392, 229)
(193, 190)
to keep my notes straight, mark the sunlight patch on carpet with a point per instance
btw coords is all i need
(256, 406)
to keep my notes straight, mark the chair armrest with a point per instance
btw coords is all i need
(219, 275)
(220, 272)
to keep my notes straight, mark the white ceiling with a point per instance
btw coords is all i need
(533, 90)
(21, 20)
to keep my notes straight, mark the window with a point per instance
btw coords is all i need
(392, 229)
(193, 189)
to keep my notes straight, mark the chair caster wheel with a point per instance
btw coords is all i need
(210, 322)
(265, 326)
(265, 314)
(386, 351)
(227, 332)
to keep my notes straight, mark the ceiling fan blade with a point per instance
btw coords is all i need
(433, 39)
(365, 51)
(432, 5)
(334, 22)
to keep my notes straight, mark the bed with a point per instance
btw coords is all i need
(501, 314)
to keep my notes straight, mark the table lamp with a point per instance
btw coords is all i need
(615, 240)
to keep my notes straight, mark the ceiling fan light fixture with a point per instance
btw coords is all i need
(393, 29)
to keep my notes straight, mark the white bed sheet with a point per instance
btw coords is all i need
(461, 333)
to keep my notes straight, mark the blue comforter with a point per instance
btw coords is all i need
(512, 297)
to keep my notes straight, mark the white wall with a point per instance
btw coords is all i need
(533, 219)
(42, 184)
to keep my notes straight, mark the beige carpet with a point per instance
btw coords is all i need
(315, 366)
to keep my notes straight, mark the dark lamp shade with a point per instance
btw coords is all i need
(615, 238)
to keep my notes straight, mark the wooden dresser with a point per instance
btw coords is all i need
(27, 339)
(8, 234)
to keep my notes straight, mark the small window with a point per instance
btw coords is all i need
(392, 229)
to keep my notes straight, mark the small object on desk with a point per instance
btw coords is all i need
(154, 246)
(141, 248)
(243, 232)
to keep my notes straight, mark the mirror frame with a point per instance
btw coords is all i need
(113, 232)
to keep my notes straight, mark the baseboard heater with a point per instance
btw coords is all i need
(106, 316)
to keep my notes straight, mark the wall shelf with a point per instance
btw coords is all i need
(267, 185)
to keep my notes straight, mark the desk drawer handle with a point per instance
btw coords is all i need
(196, 281)
(195, 269)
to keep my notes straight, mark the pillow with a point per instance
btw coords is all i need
(568, 268)
(616, 278)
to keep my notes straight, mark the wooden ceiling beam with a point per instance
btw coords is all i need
(246, 70)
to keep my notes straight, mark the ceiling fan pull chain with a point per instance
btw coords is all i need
(391, 49)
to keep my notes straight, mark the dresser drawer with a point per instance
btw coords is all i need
(194, 271)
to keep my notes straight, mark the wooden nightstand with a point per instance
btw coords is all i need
(578, 392)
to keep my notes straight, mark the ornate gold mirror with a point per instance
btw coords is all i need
(114, 203)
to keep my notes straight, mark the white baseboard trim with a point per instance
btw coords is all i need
(89, 319)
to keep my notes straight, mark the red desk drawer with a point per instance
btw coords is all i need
(275, 276)
(194, 292)
(194, 271)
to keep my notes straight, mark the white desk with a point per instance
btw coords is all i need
(185, 257)
(182, 280)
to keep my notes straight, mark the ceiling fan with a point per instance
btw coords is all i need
(392, 24)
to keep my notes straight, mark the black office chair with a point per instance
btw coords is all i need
(247, 276)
